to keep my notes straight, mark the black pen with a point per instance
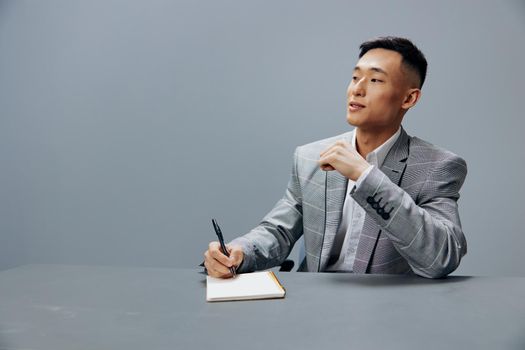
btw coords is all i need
(221, 241)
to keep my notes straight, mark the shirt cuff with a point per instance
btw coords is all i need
(363, 176)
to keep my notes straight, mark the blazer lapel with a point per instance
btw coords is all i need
(393, 167)
(336, 186)
(395, 161)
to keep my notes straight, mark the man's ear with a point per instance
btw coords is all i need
(411, 98)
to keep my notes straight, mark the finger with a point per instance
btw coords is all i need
(222, 270)
(213, 272)
(338, 144)
(236, 254)
(215, 246)
(328, 162)
(216, 268)
(327, 167)
(327, 150)
(335, 149)
(216, 253)
(338, 153)
(217, 272)
(324, 159)
(330, 148)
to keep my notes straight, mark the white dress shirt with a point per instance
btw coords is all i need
(344, 249)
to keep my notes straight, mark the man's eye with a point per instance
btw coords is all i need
(376, 81)
(354, 78)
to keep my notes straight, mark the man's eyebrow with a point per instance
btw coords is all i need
(375, 69)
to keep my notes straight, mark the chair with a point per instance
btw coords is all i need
(288, 264)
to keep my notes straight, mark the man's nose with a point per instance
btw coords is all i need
(357, 89)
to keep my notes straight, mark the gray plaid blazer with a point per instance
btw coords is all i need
(411, 225)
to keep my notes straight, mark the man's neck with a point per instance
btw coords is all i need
(368, 140)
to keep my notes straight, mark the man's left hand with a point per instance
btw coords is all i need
(344, 158)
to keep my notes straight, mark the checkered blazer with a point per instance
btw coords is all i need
(411, 225)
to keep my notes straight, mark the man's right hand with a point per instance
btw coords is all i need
(218, 264)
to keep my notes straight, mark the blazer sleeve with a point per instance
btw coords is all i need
(427, 233)
(269, 243)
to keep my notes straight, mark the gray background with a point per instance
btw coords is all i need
(126, 125)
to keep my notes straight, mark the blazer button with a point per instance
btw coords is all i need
(380, 211)
(385, 216)
(370, 199)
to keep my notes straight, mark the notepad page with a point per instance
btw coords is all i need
(255, 285)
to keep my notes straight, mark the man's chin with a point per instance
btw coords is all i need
(352, 120)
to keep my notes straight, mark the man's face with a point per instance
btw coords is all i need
(377, 91)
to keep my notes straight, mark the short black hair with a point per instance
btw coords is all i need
(412, 56)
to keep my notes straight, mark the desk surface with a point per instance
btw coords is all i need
(90, 307)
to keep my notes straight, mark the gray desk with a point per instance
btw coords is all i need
(81, 307)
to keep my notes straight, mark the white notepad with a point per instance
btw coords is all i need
(246, 286)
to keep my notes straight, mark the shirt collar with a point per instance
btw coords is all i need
(377, 156)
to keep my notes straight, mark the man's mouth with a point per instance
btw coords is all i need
(355, 106)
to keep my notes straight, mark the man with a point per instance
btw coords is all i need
(373, 200)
